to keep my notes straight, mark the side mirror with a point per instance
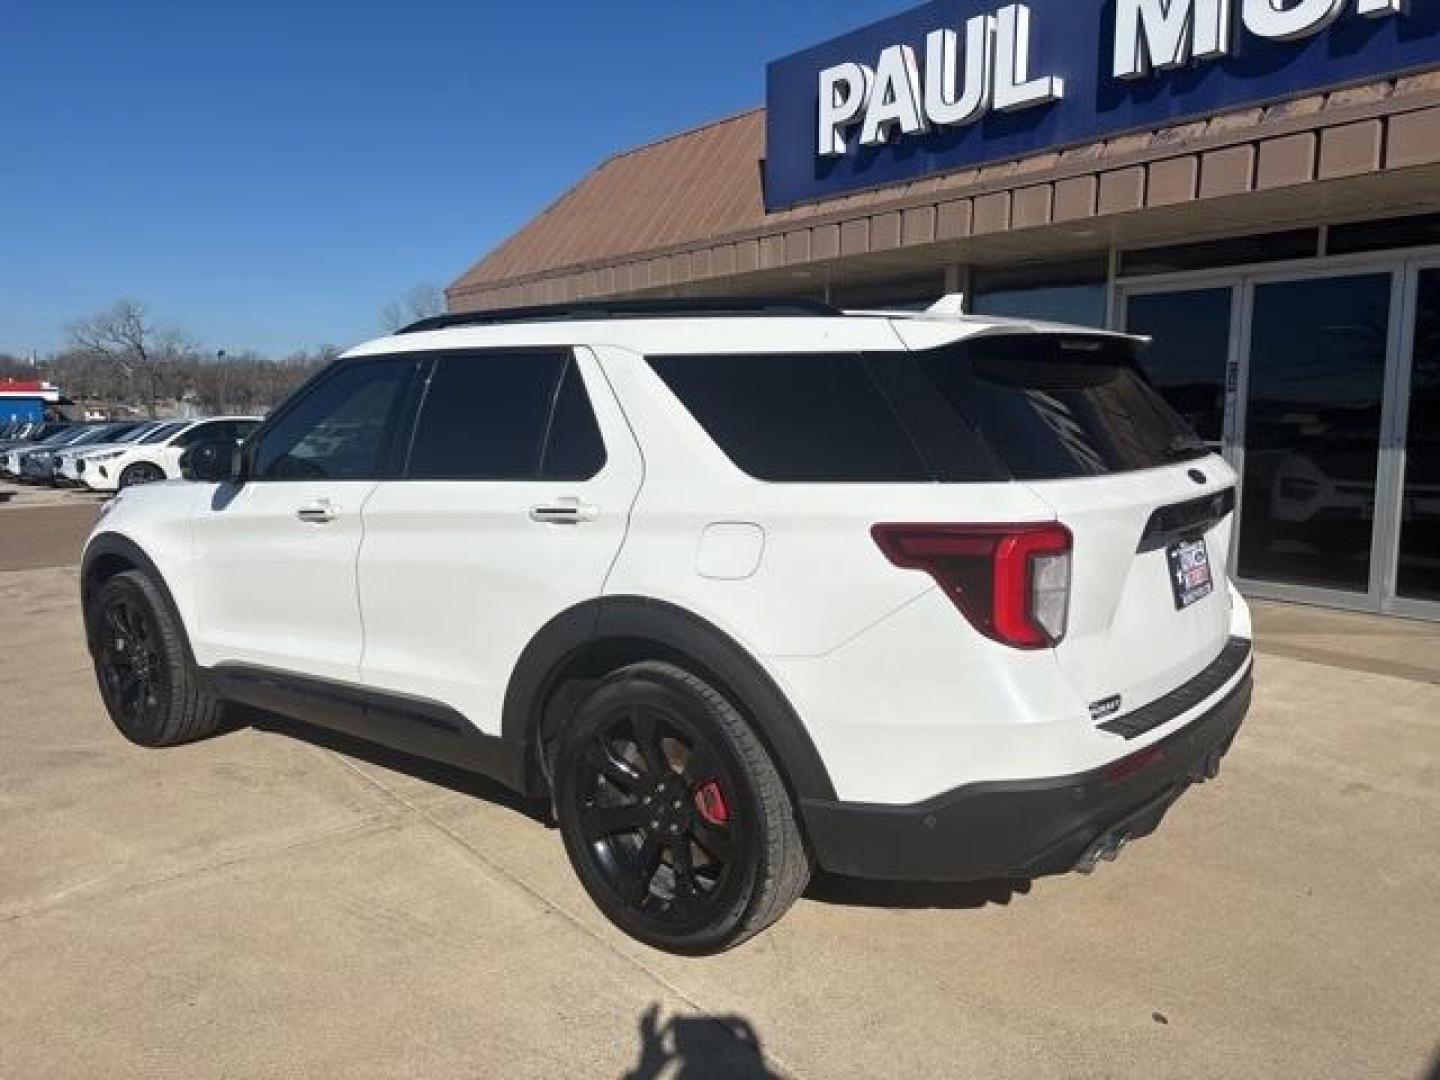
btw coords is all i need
(214, 461)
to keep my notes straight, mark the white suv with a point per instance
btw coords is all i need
(745, 589)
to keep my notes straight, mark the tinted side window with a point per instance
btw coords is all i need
(575, 450)
(340, 429)
(796, 417)
(205, 433)
(485, 416)
(228, 429)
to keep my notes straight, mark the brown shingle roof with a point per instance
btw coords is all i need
(687, 210)
(689, 186)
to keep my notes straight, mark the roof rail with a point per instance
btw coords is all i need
(695, 307)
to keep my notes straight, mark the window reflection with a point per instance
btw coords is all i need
(1312, 430)
(1187, 358)
(1054, 292)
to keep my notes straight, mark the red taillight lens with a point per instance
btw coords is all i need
(1011, 581)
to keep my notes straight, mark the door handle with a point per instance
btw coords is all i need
(319, 512)
(563, 512)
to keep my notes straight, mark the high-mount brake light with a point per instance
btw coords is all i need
(1012, 582)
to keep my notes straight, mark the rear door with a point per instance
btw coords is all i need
(1149, 507)
(512, 508)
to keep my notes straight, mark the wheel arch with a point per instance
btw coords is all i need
(108, 554)
(143, 462)
(594, 638)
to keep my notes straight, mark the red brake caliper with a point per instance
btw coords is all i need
(710, 801)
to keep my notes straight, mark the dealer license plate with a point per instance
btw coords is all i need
(1189, 572)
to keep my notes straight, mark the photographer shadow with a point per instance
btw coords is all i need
(699, 1048)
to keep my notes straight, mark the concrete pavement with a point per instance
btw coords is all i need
(277, 902)
(40, 529)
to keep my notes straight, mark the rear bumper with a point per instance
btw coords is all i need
(1025, 829)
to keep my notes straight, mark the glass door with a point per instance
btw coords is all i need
(1412, 585)
(1321, 387)
(1312, 418)
(1190, 358)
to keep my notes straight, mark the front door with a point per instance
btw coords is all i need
(278, 588)
(511, 510)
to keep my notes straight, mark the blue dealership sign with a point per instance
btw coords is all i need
(959, 83)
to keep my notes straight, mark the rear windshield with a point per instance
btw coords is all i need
(1021, 406)
(1052, 407)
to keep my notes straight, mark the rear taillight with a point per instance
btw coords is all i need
(1011, 581)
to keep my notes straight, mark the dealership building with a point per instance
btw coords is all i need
(1254, 184)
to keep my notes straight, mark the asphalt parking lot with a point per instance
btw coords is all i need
(275, 902)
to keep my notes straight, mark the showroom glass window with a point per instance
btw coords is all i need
(1073, 293)
(1188, 352)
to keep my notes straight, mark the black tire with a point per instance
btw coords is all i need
(149, 684)
(674, 816)
(142, 472)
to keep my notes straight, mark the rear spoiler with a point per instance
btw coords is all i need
(950, 309)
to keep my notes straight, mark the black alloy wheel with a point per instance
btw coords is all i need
(141, 473)
(655, 815)
(134, 677)
(674, 815)
(150, 685)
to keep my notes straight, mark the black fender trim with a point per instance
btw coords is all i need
(548, 660)
(545, 663)
(107, 546)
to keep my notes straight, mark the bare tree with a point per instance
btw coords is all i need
(145, 357)
(12, 367)
(248, 382)
(421, 302)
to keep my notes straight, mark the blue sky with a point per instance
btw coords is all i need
(268, 174)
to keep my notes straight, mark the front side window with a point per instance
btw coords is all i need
(506, 416)
(199, 433)
(216, 431)
(341, 429)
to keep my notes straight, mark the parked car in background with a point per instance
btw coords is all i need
(48, 437)
(16, 431)
(39, 467)
(66, 469)
(157, 457)
(28, 433)
(87, 464)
